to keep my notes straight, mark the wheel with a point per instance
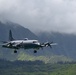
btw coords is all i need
(15, 51)
(35, 51)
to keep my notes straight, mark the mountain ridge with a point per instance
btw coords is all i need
(65, 42)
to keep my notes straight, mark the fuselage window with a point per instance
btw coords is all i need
(34, 41)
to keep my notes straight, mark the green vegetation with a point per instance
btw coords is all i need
(47, 59)
(36, 68)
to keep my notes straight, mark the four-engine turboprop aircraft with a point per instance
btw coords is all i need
(25, 44)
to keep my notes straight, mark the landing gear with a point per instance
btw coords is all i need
(15, 51)
(35, 51)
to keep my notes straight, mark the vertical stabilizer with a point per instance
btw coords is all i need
(10, 36)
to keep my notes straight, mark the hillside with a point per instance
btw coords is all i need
(19, 32)
(45, 58)
(64, 51)
(36, 68)
(66, 43)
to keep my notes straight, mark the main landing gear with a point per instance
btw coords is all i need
(35, 51)
(15, 51)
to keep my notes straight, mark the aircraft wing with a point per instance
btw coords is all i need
(17, 44)
(3, 41)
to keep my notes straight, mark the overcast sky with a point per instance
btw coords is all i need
(44, 15)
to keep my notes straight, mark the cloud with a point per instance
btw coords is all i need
(45, 15)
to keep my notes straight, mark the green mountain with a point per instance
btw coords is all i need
(64, 51)
(66, 43)
(47, 59)
(19, 32)
(36, 68)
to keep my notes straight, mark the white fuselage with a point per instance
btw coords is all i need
(26, 44)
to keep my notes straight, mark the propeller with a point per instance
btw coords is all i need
(46, 44)
(9, 44)
(50, 44)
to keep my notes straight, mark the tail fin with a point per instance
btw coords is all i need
(10, 36)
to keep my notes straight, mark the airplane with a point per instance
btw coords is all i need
(24, 44)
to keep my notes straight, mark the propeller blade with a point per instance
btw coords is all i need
(49, 45)
(54, 44)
